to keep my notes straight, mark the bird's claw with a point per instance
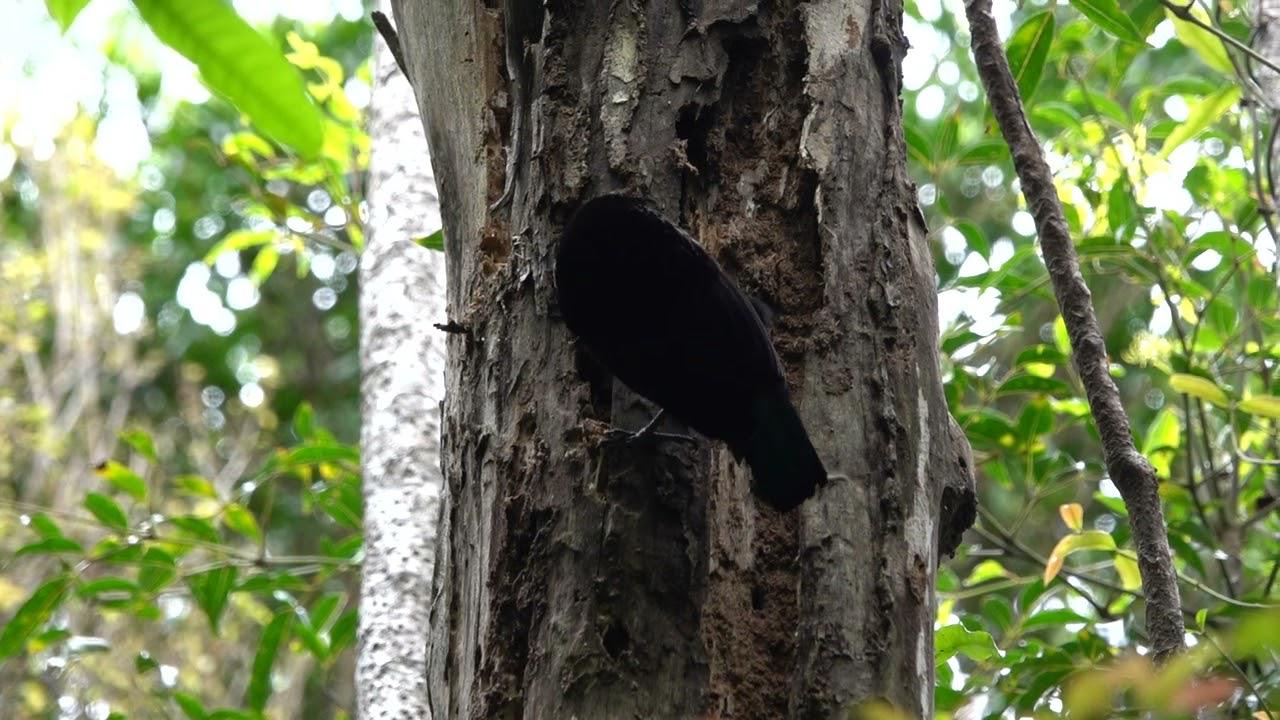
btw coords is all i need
(648, 432)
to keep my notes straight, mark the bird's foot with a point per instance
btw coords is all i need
(648, 432)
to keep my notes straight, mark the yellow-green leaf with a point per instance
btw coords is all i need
(1203, 113)
(1089, 540)
(1127, 569)
(238, 240)
(1262, 405)
(64, 12)
(1198, 387)
(123, 479)
(238, 518)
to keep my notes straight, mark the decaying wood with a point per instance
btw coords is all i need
(580, 579)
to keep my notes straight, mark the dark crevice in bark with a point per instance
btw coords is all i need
(1133, 476)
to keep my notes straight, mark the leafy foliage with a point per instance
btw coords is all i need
(1162, 174)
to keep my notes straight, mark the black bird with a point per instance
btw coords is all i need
(663, 317)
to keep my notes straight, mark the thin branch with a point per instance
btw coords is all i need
(389, 36)
(1132, 474)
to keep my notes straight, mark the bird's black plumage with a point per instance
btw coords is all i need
(663, 317)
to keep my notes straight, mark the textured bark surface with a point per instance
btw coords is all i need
(590, 581)
(1133, 476)
(402, 358)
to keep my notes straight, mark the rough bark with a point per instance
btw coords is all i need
(402, 357)
(1133, 476)
(591, 581)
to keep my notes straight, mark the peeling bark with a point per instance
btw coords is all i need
(402, 358)
(577, 579)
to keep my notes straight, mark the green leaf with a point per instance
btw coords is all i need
(951, 640)
(323, 609)
(343, 632)
(1201, 616)
(123, 479)
(198, 528)
(35, 612)
(191, 707)
(141, 442)
(106, 586)
(1203, 43)
(307, 633)
(157, 569)
(918, 145)
(106, 511)
(238, 518)
(242, 66)
(1202, 114)
(1107, 15)
(1054, 618)
(313, 455)
(64, 12)
(434, 241)
(50, 546)
(195, 485)
(1028, 49)
(974, 237)
(1198, 387)
(210, 590)
(304, 421)
(984, 152)
(44, 526)
(1034, 384)
(268, 647)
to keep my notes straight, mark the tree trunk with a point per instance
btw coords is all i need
(402, 359)
(581, 580)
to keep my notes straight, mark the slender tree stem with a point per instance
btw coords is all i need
(1129, 470)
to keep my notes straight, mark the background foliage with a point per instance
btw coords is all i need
(180, 505)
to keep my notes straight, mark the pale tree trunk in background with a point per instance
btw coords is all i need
(576, 580)
(402, 359)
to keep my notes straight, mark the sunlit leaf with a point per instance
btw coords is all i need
(1203, 43)
(65, 11)
(123, 479)
(1203, 113)
(1199, 387)
(1262, 405)
(241, 65)
(434, 241)
(1127, 569)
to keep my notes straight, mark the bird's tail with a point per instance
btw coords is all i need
(785, 468)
